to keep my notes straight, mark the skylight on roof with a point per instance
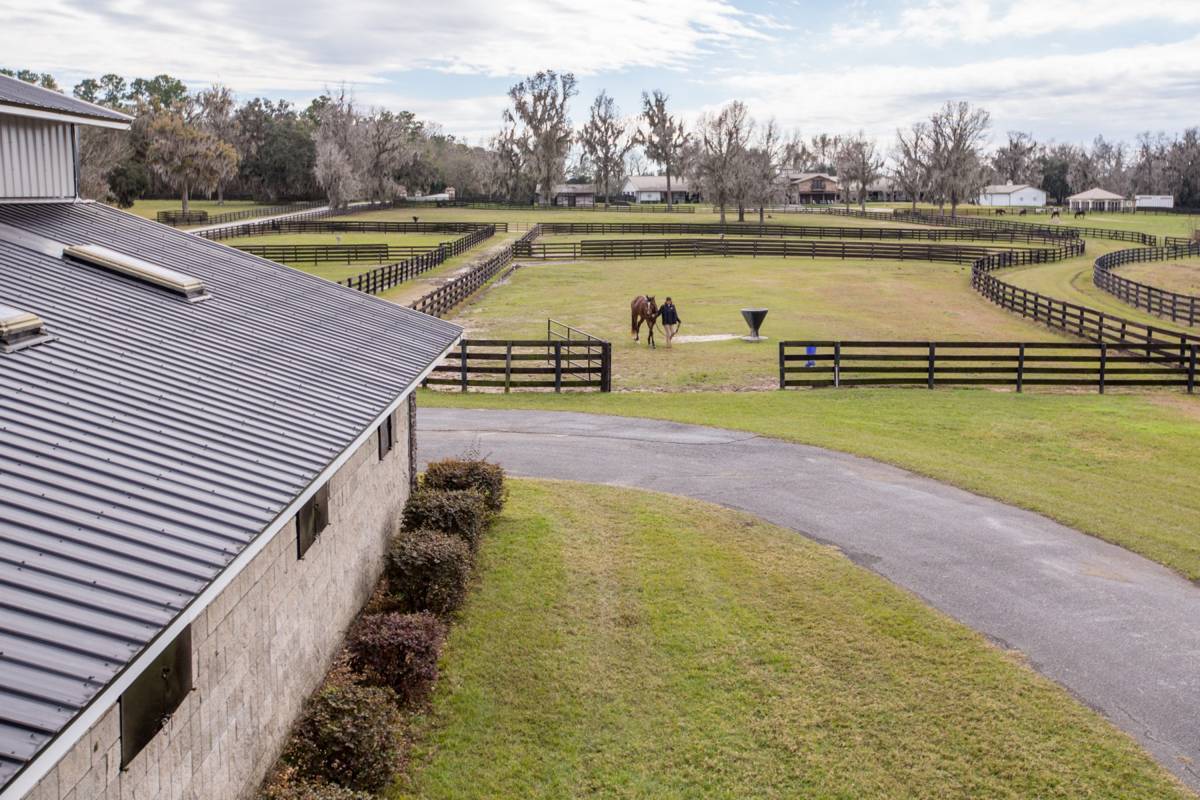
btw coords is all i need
(20, 329)
(192, 289)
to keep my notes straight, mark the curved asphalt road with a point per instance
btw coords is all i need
(1121, 633)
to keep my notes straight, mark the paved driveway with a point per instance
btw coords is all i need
(1120, 632)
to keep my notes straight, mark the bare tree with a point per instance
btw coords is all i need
(605, 142)
(957, 134)
(336, 145)
(762, 165)
(1014, 162)
(216, 106)
(911, 159)
(859, 165)
(663, 137)
(510, 163)
(721, 145)
(540, 105)
(386, 143)
(187, 158)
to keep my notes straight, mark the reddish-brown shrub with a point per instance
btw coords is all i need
(428, 570)
(399, 651)
(482, 476)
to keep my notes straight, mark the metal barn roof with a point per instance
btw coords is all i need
(16, 95)
(154, 439)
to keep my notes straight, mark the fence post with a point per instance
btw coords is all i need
(929, 380)
(782, 381)
(558, 366)
(1103, 364)
(1020, 367)
(837, 364)
(507, 368)
(462, 350)
(606, 367)
(1191, 378)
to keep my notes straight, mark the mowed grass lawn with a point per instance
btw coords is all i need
(626, 644)
(1119, 467)
(336, 270)
(1182, 276)
(150, 208)
(806, 298)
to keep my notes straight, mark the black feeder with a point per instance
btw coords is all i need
(754, 318)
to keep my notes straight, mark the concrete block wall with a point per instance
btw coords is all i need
(258, 651)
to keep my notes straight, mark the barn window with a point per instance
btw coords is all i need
(153, 697)
(387, 435)
(311, 520)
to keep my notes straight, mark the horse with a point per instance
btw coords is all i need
(1055, 215)
(1022, 212)
(643, 309)
(1080, 214)
(1000, 212)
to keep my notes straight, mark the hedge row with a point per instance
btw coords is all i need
(345, 745)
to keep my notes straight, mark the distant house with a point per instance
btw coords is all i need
(1096, 199)
(205, 454)
(1011, 195)
(653, 189)
(885, 190)
(570, 195)
(1154, 201)
(805, 188)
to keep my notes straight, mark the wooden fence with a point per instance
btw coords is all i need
(791, 231)
(181, 217)
(1015, 364)
(449, 295)
(601, 249)
(279, 225)
(303, 224)
(348, 253)
(389, 275)
(1181, 308)
(522, 364)
(642, 208)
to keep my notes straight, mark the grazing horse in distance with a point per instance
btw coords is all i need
(643, 309)
(1080, 214)
(1055, 215)
(1022, 212)
(1000, 212)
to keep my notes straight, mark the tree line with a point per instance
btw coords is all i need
(206, 143)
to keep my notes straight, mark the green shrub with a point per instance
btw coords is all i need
(399, 651)
(347, 736)
(428, 570)
(482, 476)
(457, 511)
(304, 790)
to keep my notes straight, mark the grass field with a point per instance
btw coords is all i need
(821, 299)
(409, 291)
(628, 644)
(149, 208)
(1120, 467)
(339, 270)
(1180, 276)
(1071, 280)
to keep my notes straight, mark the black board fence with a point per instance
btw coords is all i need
(449, 295)
(180, 217)
(1007, 364)
(383, 278)
(790, 231)
(347, 253)
(1179, 308)
(524, 364)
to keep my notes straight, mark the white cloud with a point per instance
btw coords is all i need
(1117, 91)
(976, 21)
(280, 44)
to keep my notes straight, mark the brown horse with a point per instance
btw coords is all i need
(1055, 215)
(643, 309)
(1080, 214)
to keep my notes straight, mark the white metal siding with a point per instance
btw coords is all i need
(37, 159)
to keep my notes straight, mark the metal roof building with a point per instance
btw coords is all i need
(171, 405)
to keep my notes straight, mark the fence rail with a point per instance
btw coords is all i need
(276, 225)
(791, 231)
(389, 275)
(181, 217)
(349, 253)
(1180, 308)
(526, 364)
(449, 295)
(302, 224)
(643, 208)
(783, 248)
(1016, 364)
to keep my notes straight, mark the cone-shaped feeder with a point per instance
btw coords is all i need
(754, 318)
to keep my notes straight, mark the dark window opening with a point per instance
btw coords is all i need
(153, 697)
(387, 435)
(312, 519)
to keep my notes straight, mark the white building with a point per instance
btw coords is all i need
(653, 189)
(1154, 201)
(1096, 199)
(1012, 195)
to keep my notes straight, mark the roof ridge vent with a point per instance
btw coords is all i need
(192, 289)
(20, 329)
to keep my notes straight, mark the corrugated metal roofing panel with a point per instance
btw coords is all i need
(156, 438)
(37, 159)
(26, 95)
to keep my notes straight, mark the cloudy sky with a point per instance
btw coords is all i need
(1062, 69)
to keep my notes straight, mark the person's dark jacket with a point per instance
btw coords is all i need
(669, 315)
